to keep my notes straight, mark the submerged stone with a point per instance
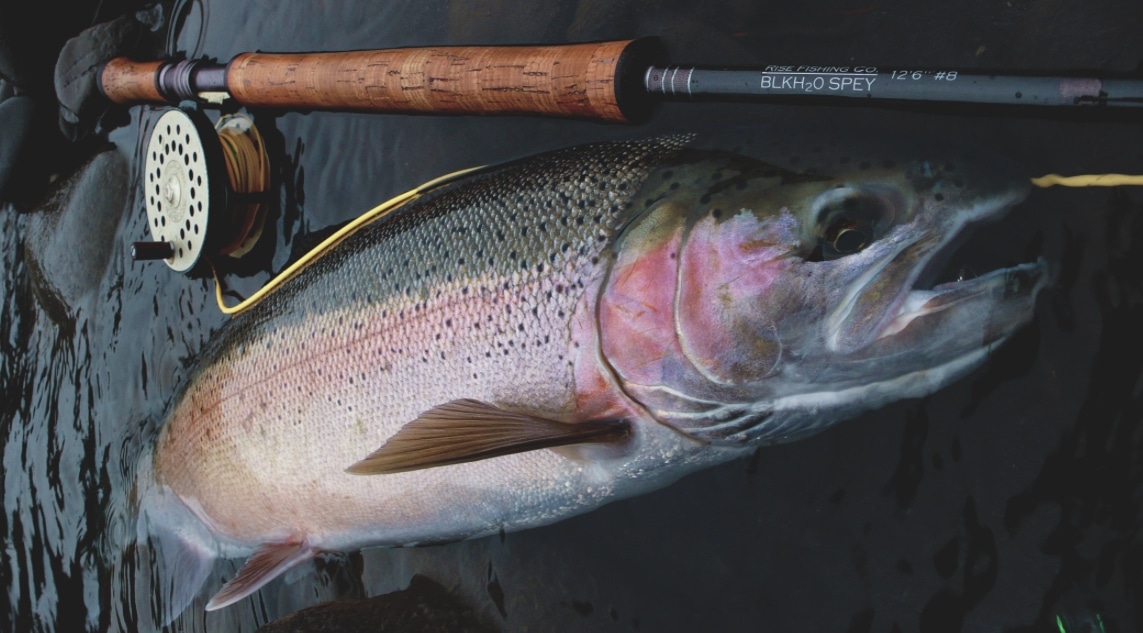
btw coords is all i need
(70, 236)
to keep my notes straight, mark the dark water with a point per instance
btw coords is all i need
(1003, 502)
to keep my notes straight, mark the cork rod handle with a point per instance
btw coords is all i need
(126, 81)
(601, 80)
(579, 80)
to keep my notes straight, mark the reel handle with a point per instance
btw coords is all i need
(601, 80)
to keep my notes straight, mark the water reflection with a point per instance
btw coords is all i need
(1007, 499)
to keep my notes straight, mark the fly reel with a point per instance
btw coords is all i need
(203, 189)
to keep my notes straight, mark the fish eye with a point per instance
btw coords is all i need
(849, 237)
(849, 220)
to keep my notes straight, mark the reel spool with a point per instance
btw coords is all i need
(203, 189)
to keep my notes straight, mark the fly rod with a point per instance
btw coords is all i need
(616, 81)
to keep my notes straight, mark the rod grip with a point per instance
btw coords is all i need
(601, 80)
(126, 81)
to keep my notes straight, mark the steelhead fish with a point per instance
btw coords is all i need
(564, 331)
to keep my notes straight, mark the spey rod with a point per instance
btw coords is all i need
(616, 81)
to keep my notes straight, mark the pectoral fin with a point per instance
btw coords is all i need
(265, 564)
(469, 430)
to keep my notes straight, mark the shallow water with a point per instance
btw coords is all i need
(1006, 500)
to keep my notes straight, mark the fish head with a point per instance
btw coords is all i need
(750, 302)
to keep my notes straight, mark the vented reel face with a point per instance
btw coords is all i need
(177, 188)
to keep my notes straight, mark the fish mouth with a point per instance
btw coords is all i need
(1006, 285)
(895, 302)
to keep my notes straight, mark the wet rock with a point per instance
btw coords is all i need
(70, 237)
(425, 606)
(16, 116)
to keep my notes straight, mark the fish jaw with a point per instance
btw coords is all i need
(992, 306)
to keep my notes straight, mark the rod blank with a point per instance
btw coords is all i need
(865, 82)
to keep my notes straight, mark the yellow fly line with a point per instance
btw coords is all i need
(333, 240)
(1088, 180)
